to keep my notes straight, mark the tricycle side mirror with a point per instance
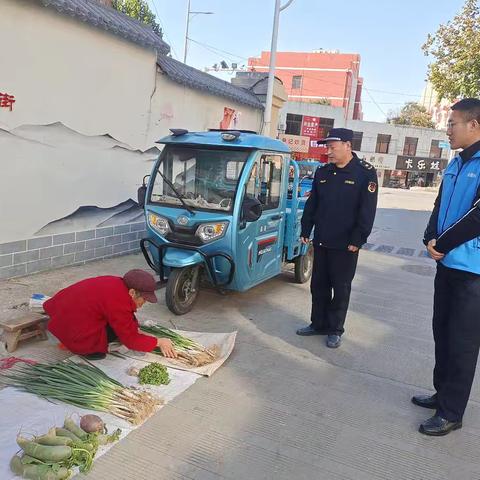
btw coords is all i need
(251, 209)
(142, 192)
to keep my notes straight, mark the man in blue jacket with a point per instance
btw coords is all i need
(453, 241)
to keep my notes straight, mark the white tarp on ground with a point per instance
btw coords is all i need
(224, 341)
(32, 415)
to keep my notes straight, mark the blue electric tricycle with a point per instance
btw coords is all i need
(218, 208)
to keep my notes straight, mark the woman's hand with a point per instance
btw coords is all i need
(166, 347)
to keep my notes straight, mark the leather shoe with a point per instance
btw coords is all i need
(307, 331)
(425, 401)
(334, 341)
(437, 426)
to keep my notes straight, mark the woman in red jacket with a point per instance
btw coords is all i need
(89, 314)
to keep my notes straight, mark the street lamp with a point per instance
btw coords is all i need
(267, 119)
(189, 12)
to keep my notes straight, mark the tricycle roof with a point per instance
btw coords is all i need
(214, 138)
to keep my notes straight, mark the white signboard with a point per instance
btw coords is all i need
(381, 161)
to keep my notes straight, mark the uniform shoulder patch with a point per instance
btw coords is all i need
(366, 165)
(372, 187)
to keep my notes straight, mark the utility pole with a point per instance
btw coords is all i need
(271, 72)
(189, 12)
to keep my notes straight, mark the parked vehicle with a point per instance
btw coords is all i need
(216, 207)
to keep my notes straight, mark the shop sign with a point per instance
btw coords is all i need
(420, 164)
(310, 126)
(297, 143)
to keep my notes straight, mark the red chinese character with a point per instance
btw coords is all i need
(7, 101)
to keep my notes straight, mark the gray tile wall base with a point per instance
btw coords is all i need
(24, 257)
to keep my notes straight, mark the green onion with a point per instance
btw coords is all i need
(181, 343)
(84, 386)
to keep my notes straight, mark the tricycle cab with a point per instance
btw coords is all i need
(216, 205)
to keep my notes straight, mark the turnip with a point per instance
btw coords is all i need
(92, 424)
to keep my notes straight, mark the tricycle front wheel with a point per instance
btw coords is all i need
(304, 266)
(182, 289)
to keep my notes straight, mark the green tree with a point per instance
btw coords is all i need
(412, 113)
(323, 101)
(455, 47)
(139, 10)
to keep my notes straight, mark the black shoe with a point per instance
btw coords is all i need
(95, 356)
(334, 341)
(425, 401)
(437, 426)
(307, 331)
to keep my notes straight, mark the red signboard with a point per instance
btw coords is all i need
(310, 126)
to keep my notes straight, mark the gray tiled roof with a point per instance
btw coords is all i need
(193, 78)
(106, 18)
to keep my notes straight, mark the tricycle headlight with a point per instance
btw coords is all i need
(211, 231)
(159, 224)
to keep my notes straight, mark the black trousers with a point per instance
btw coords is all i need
(332, 275)
(456, 331)
(111, 335)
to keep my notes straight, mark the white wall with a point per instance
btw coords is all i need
(87, 105)
(176, 106)
(398, 132)
(60, 69)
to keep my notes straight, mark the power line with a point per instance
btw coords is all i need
(377, 105)
(211, 47)
(164, 31)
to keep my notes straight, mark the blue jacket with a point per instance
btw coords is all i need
(455, 221)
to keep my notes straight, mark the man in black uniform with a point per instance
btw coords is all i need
(342, 208)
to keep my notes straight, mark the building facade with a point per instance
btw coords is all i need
(318, 77)
(404, 156)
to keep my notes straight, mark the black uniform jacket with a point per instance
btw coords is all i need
(342, 205)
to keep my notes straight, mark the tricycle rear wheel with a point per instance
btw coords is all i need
(304, 266)
(182, 289)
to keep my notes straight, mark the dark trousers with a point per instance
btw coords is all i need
(456, 331)
(111, 335)
(332, 275)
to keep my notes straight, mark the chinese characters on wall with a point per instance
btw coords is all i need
(6, 101)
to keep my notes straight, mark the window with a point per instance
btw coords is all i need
(204, 178)
(325, 125)
(410, 146)
(294, 124)
(383, 142)
(266, 180)
(435, 149)
(357, 141)
(297, 81)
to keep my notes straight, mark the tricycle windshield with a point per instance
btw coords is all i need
(205, 178)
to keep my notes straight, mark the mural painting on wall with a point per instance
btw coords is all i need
(59, 180)
(228, 117)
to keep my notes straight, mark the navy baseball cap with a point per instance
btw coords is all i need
(338, 134)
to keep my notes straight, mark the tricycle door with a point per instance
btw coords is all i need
(260, 242)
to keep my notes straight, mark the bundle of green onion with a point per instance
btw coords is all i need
(84, 386)
(180, 343)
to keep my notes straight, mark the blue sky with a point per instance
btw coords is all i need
(387, 34)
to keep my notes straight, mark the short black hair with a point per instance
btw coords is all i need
(470, 107)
